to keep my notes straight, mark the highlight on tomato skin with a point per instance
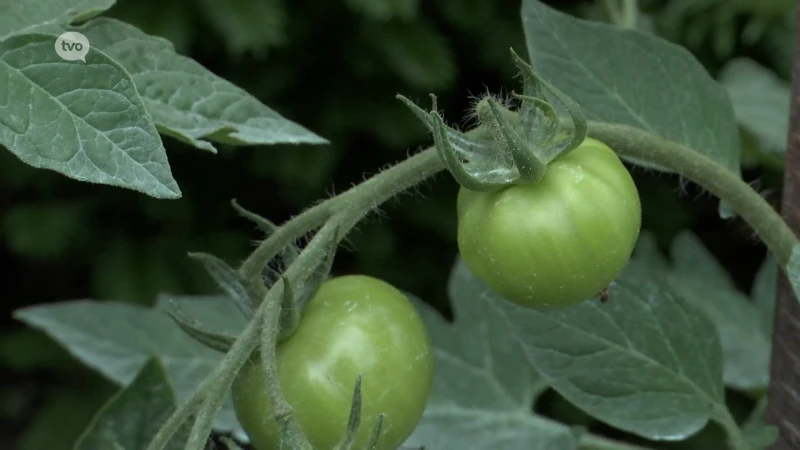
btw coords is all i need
(354, 324)
(556, 242)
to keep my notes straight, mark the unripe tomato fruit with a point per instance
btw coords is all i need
(354, 324)
(558, 241)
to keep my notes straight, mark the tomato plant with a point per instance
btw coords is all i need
(354, 325)
(547, 216)
(558, 241)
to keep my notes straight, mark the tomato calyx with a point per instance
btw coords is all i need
(515, 146)
(530, 166)
(354, 422)
(216, 341)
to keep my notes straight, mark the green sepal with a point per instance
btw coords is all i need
(320, 274)
(547, 124)
(292, 437)
(532, 115)
(287, 255)
(290, 313)
(464, 145)
(264, 224)
(451, 160)
(372, 444)
(231, 282)
(530, 167)
(215, 341)
(294, 303)
(474, 161)
(528, 117)
(354, 421)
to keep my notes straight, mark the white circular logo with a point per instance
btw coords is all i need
(72, 46)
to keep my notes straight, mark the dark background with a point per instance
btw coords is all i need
(333, 67)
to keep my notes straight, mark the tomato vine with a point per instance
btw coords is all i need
(338, 215)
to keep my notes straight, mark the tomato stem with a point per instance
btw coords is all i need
(623, 15)
(625, 140)
(202, 397)
(362, 198)
(717, 179)
(723, 417)
(219, 382)
(283, 414)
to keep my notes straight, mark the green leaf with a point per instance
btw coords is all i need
(46, 15)
(117, 339)
(87, 123)
(385, 9)
(215, 341)
(760, 101)
(696, 276)
(484, 387)
(757, 432)
(61, 416)
(635, 78)
(230, 281)
(247, 25)
(187, 101)
(646, 361)
(217, 314)
(793, 271)
(761, 436)
(135, 414)
(764, 293)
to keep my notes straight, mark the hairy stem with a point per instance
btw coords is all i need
(282, 411)
(208, 389)
(180, 415)
(625, 140)
(629, 13)
(351, 207)
(723, 417)
(218, 382)
(639, 144)
(374, 191)
(622, 12)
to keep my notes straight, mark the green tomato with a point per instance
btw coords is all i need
(354, 324)
(556, 242)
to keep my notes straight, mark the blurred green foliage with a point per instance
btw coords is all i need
(333, 67)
